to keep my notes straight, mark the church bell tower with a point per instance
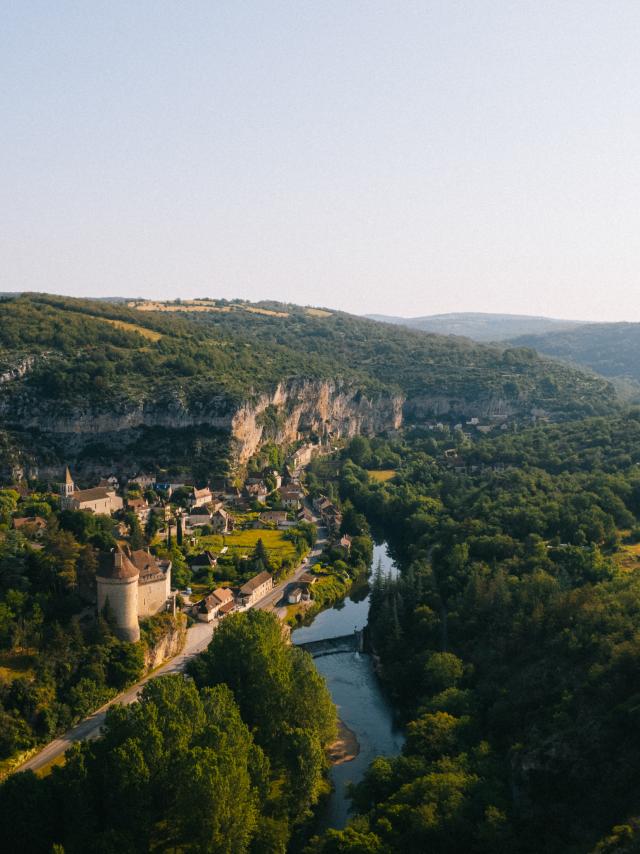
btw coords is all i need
(68, 487)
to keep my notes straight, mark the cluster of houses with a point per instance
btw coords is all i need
(290, 494)
(205, 507)
(471, 426)
(222, 601)
(102, 499)
(32, 527)
(135, 584)
(216, 605)
(328, 512)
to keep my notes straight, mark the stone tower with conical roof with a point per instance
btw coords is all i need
(117, 584)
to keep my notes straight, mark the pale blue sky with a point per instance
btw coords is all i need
(396, 157)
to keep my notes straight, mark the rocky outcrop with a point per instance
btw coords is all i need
(169, 644)
(304, 407)
(18, 370)
(174, 413)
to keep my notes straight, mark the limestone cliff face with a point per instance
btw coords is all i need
(295, 409)
(17, 370)
(303, 407)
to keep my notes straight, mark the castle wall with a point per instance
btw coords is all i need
(152, 597)
(122, 595)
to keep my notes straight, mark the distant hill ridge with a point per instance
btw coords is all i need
(480, 326)
(610, 349)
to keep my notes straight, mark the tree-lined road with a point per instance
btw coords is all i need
(198, 638)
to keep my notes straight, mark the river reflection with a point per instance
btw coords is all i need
(356, 692)
(350, 614)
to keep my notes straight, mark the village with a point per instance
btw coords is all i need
(203, 551)
(151, 565)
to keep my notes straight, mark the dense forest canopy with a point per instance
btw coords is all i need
(510, 642)
(217, 765)
(424, 364)
(610, 349)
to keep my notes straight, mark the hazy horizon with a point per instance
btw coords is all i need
(367, 314)
(404, 159)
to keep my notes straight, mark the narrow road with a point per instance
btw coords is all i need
(198, 639)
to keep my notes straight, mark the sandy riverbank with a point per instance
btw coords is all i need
(345, 748)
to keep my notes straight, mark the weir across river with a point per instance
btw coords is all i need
(332, 646)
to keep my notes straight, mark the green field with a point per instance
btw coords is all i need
(381, 475)
(244, 542)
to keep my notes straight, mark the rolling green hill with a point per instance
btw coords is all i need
(95, 381)
(610, 349)
(418, 363)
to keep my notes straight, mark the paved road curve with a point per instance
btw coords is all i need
(198, 638)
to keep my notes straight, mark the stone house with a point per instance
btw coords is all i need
(256, 489)
(198, 518)
(321, 503)
(32, 527)
(211, 606)
(294, 595)
(144, 481)
(255, 589)
(200, 497)
(141, 508)
(291, 497)
(276, 516)
(222, 522)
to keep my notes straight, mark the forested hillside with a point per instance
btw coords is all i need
(510, 643)
(423, 365)
(236, 349)
(610, 349)
(100, 384)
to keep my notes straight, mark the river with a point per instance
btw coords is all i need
(356, 692)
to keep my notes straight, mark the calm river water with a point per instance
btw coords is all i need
(356, 692)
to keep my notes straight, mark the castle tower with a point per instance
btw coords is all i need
(118, 586)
